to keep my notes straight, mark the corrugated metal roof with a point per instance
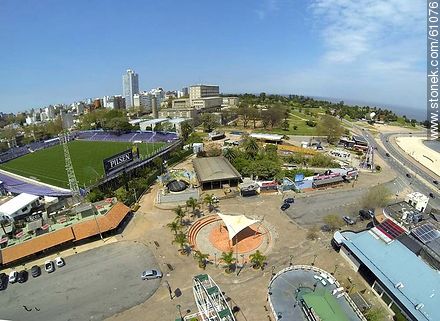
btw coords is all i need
(393, 263)
(214, 169)
(17, 203)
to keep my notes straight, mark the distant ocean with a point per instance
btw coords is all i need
(409, 112)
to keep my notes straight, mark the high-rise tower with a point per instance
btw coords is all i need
(130, 86)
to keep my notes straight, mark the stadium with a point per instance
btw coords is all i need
(40, 168)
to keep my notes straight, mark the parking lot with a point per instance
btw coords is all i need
(92, 285)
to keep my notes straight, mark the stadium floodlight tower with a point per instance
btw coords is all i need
(73, 183)
(210, 301)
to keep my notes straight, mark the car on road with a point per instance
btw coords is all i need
(387, 154)
(3, 281)
(13, 276)
(151, 274)
(285, 206)
(348, 220)
(49, 267)
(408, 175)
(289, 200)
(431, 195)
(435, 182)
(59, 261)
(35, 271)
(22, 276)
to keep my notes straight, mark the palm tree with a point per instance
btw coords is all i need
(251, 147)
(229, 259)
(199, 256)
(209, 200)
(257, 259)
(180, 214)
(229, 153)
(180, 239)
(174, 227)
(192, 202)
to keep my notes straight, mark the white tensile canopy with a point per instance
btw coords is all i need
(236, 223)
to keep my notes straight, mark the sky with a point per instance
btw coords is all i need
(59, 51)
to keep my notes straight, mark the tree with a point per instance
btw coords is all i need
(209, 200)
(330, 127)
(244, 112)
(230, 154)
(180, 214)
(186, 129)
(174, 227)
(285, 125)
(275, 114)
(122, 194)
(258, 260)
(201, 258)
(181, 240)
(209, 122)
(376, 314)
(193, 203)
(229, 259)
(333, 221)
(251, 147)
(254, 115)
(376, 196)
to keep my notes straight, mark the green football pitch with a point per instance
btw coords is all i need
(48, 165)
(325, 305)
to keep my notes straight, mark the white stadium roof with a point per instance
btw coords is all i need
(17, 203)
(236, 223)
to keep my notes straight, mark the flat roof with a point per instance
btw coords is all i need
(17, 203)
(393, 263)
(154, 121)
(331, 180)
(266, 136)
(214, 169)
(177, 120)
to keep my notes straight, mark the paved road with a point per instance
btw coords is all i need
(91, 286)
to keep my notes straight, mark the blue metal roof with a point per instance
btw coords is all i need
(393, 263)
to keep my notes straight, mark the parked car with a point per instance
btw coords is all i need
(348, 220)
(289, 200)
(22, 276)
(49, 267)
(408, 175)
(35, 271)
(3, 281)
(59, 261)
(285, 206)
(366, 214)
(151, 274)
(13, 276)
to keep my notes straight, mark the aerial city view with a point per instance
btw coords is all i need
(219, 160)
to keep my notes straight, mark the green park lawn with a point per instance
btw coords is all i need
(48, 165)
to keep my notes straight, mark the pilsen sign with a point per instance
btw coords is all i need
(118, 160)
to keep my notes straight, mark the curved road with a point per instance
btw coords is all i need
(396, 160)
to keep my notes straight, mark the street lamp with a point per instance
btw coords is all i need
(180, 311)
(290, 262)
(273, 270)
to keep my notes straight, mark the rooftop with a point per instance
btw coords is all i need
(17, 203)
(266, 136)
(214, 169)
(393, 263)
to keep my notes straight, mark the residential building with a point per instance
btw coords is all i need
(130, 86)
(114, 102)
(67, 119)
(50, 112)
(230, 102)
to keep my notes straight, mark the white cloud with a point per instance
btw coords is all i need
(266, 7)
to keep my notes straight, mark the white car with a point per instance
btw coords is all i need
(59, 261)
(151, 274)
(49, 267)
(13, 276)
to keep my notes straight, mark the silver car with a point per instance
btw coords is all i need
(151, 274)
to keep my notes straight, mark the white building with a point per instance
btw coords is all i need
(19, 205)
(113, 102)
(50, 112)
(67, 119)
(417, 200)
(202, 91)
(130, 86)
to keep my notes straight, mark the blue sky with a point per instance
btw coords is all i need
(59, 51)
